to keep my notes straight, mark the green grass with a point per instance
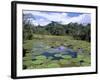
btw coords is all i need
(49, 40)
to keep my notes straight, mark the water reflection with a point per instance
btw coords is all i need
(54, 52)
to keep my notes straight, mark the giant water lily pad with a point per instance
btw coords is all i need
(53, 65)
(37, 62)
(40, 57)
(63, 62)
(58, 55)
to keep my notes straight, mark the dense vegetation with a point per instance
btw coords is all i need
(77, 31)
(37, 39)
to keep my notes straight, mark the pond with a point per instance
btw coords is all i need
(53, 53)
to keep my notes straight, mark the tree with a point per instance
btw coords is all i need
(55, 28)
(27, 28)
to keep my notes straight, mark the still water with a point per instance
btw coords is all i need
(56, 53)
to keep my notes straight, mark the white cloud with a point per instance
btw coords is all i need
(34, 22)
(43, 22)
(59, 17)
(84, 18)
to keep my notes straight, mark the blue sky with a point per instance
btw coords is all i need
(43, 18)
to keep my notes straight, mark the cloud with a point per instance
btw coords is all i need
(81, 19)
(44, 18)
(86, 18)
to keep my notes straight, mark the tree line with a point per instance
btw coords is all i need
(77, 31)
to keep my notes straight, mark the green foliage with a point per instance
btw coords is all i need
(41, 57)
(37, 62)
(55, 28)
(28, 45)
(42, 31)
(53, 65)
(63, 62)
(37, 39)
(27, 64)
(37, 46)
(77, 31)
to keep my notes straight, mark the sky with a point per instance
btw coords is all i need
(43, 17)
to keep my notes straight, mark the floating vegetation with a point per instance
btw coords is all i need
(47, 54)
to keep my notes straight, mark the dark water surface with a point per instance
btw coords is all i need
(52, 52)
